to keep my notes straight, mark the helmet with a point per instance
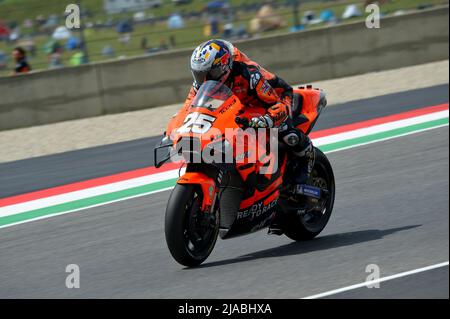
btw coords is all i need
(212, 60)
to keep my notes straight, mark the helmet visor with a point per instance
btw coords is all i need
(201, 77)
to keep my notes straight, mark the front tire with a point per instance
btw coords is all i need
(308, 226)
(190, 233)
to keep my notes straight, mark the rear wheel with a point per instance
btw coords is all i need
(190, 233)
(310, 221)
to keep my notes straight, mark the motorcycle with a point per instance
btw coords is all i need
(229, 198)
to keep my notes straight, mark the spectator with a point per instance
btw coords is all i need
(163, 45)
(55, 60)
(144, 43)
(28, 44)
(214, 23)
(77, 59)
(172, 41)
(22, 66)
(3, 60)
(108, 51)
(125, 38)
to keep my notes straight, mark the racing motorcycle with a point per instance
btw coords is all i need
(229, 198)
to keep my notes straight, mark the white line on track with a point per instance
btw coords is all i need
(380, 128)
(385, 139)
(85, 208)
(88, 192)
(372, 282)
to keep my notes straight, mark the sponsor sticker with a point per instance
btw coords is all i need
(309, 191)
(256, 210)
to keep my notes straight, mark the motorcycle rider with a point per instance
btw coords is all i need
(220, 61)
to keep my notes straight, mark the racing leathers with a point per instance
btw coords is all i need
(255, 86)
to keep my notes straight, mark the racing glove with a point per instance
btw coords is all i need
(261, 122)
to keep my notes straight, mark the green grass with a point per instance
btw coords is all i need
(22, 9)
(18, 10)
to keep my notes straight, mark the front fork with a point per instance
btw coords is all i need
(208, 185)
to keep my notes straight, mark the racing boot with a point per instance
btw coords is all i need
(302, 149)
(306, 158)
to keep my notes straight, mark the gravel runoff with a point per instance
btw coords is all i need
(78, 134)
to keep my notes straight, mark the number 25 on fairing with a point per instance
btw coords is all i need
(197, 123)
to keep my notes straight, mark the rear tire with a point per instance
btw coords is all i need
(296, 227)
(187, 241)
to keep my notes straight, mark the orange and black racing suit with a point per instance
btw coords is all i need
(255, 86)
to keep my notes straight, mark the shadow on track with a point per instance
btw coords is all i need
(320, 243)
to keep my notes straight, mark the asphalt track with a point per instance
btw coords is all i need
(391, 210)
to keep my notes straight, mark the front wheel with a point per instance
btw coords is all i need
(313, 220)
(190, 233)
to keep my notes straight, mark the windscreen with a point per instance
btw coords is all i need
(211, 95)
